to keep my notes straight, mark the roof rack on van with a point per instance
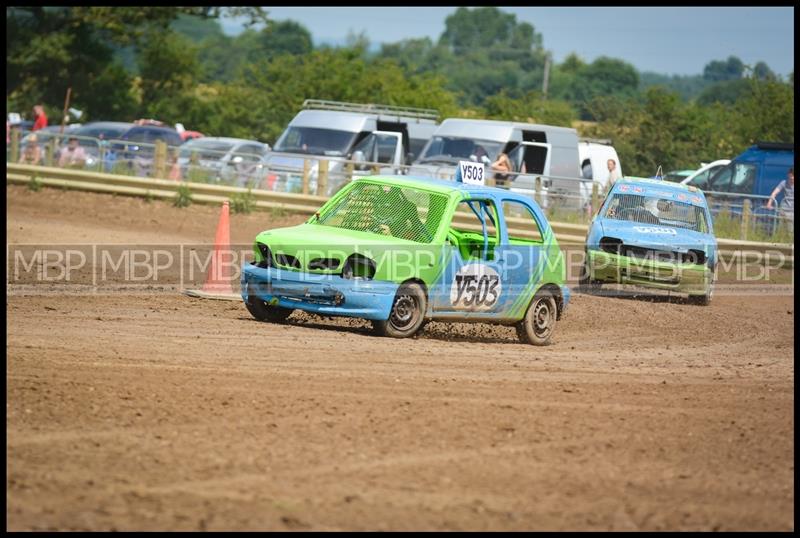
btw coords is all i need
(774, 145)
(605, 141)
(419, 113)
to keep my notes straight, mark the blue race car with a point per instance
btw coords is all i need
(655, 234)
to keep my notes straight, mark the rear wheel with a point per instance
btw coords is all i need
(265, 312)
(540, 320)
(407, 315)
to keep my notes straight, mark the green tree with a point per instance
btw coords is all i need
(529, 108)
(730, 69)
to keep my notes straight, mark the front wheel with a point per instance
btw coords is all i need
(705, 299)
(540, 320)
(265, 312)
(407, 315)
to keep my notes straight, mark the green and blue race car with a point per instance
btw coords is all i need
(398, 251)
(654, 234)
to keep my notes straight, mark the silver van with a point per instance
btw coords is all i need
(368, 134)
(534, 151)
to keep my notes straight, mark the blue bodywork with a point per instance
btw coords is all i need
(669, 245)
(329, 295)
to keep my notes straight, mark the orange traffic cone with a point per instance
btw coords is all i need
(218, 280)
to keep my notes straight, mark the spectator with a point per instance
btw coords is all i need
(32, 153)
(613, 173)
(175, 169)
(786, 207)
(502, 165)
(72, 156)
(40, 118)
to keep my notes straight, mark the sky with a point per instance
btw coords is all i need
(665, 40)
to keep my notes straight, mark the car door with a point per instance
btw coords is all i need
(470, 285)
(522, 255)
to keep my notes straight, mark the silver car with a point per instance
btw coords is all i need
(233, 161)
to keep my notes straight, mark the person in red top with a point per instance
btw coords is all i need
(40, 118)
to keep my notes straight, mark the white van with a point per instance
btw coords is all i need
(532, 148)
(364, 133)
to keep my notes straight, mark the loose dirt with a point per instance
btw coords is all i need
(153, 410)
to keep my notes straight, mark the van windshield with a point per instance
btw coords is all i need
(315, 141)
(451, 149)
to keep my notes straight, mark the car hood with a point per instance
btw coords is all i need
(657, 237)
(309, 241)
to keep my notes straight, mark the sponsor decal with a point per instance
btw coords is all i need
(682, 196)
(655, 230)
(638, 189)
(476, 287)
(624, 188)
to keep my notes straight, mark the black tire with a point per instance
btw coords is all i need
(407, 315)
(264, 312)
(540, 320)
(586, 284)
(705, 299)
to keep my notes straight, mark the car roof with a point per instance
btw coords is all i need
(658, 187)
(444, 186)
(96, 124)
(223, 139)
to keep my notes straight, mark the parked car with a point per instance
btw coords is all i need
(701, 175)
(398, 250)
(94, 135)
(676, 176)
(134, 150)
(655, 234)
(229, 160)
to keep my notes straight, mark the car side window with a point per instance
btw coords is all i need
(468, 231)
(521, 223)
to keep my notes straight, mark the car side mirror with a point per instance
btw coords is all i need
(359, 159)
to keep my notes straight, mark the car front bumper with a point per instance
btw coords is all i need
(687, 278)
(328, 295)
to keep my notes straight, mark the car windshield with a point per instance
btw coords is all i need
(451, 149)
(658, 211)
(315, 141)
(401, 212)
(206, 149)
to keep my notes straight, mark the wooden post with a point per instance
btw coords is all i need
(64, 115)
(101, 162)
(306, 174)
(322, 179)
(490, 182)
(595, 199)
(160, 159)
(746, 212)
(348, 170)
(375, 169)
(14, 145)
(50, 152)
(538, 195)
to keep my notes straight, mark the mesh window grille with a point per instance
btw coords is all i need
(653, 210)
(390, 210)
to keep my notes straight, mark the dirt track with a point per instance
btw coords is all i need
(163, 412)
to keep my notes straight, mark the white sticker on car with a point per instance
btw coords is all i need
(655, 230)
(476, 287)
